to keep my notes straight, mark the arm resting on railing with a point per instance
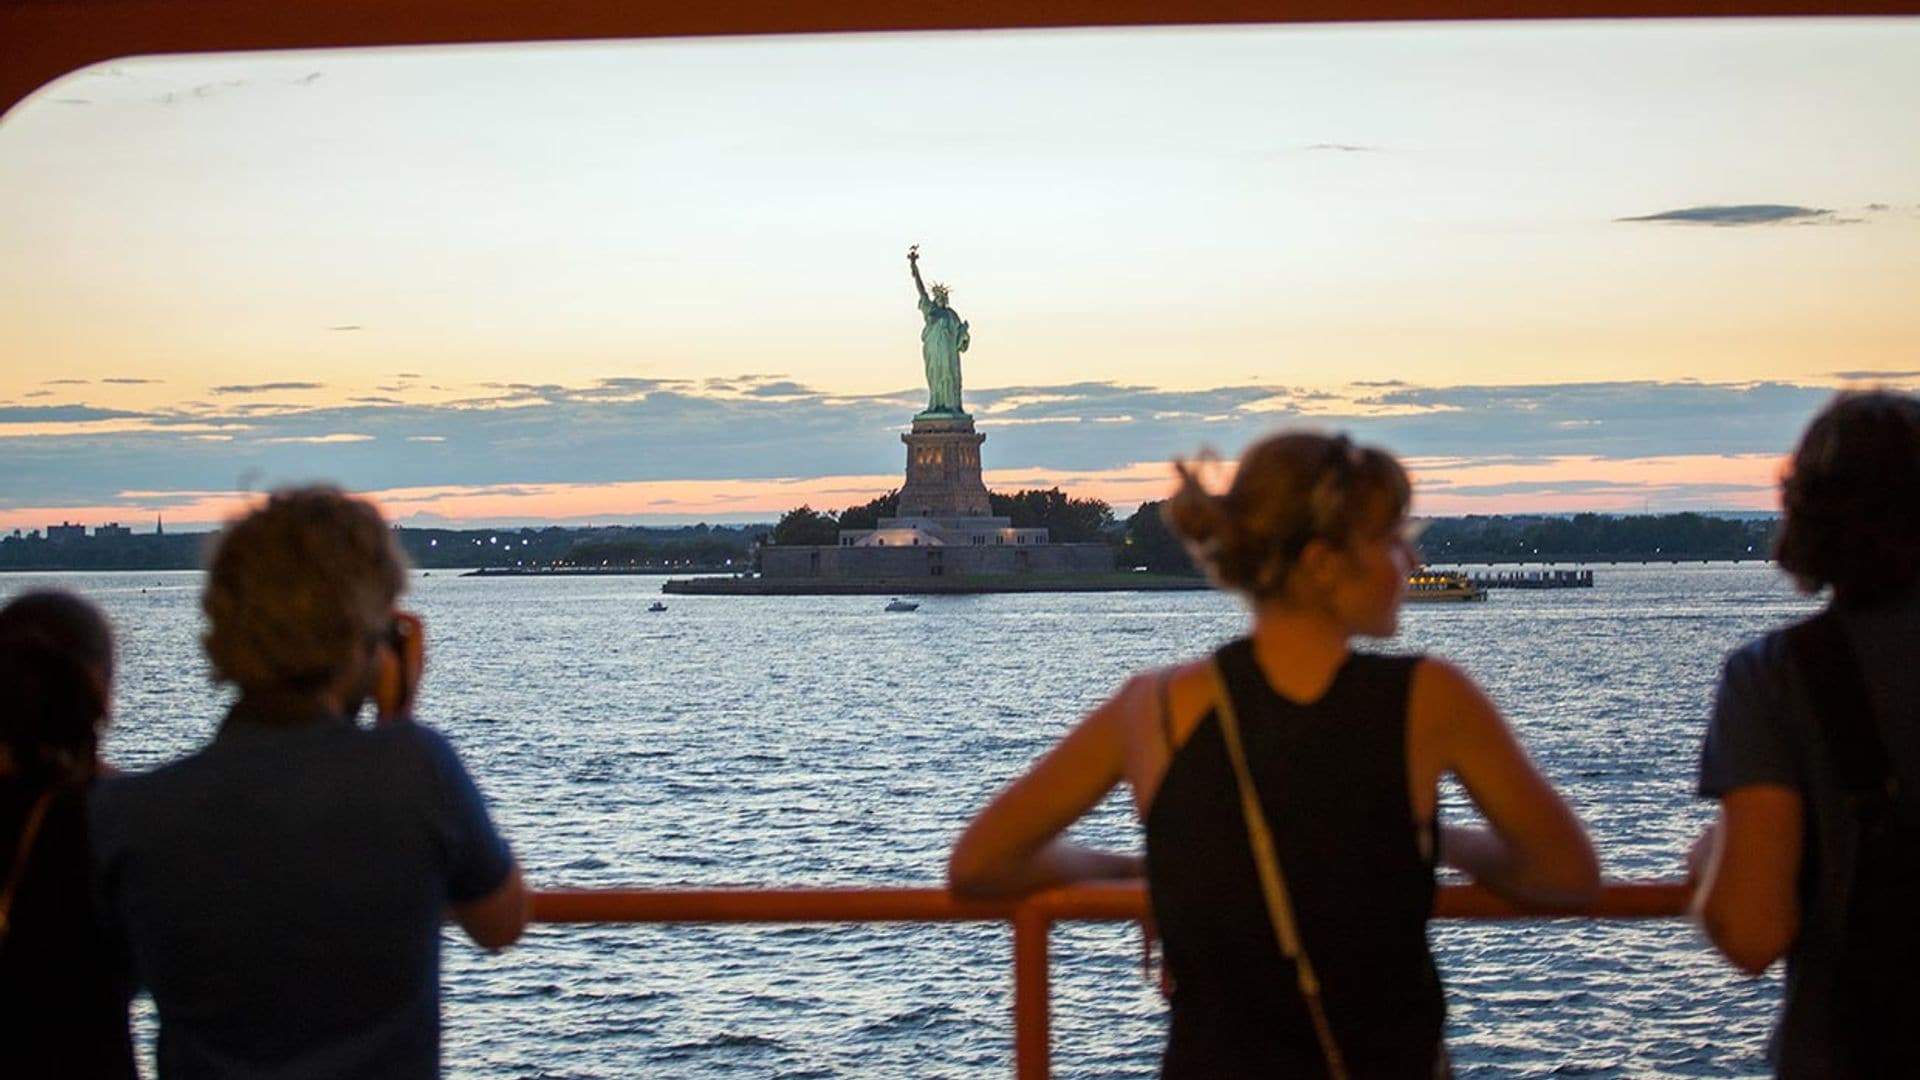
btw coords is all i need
(1534, 851)
(1748, 901)
(496, 920)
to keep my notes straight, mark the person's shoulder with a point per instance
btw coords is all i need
(419, 748)
(1762, 721)
(1760, 684)
(1445, 706)
(1143, 692)
(1171, 697)
(1384, 662)
(411, 739)
(1181, 671)
(128, 804)
(1764, 662)
(1136, 694)
(138, 786)
(1430, 674)
(1769, 648)
(1182, 679)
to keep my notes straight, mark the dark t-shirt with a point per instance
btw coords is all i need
(1764, 731)
(281, 892)
(63, 998)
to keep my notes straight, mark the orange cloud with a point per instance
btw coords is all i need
(1443, 486)
(688, 500)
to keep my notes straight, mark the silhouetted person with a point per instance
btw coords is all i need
(1814, 753)
(282, 889)
(1336, 754)
(63, 994)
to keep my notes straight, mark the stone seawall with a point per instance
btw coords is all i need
(920, 562)
(985, 583)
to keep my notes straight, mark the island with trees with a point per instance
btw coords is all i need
(1141, 541)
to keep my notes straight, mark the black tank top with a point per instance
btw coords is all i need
(1332, 778)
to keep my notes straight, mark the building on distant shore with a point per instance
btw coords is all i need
(66, 530)
(112, 530)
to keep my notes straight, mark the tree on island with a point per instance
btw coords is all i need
(805, 525)
(1146, 541)
(698, 551)
(1503, 538)
(868, 514)
(1068, 520)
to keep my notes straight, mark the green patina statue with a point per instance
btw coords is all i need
(942, 341)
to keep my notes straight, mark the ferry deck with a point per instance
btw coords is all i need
(41, 40)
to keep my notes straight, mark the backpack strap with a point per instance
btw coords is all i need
(1844, 713)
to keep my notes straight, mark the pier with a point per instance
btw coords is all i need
(744, 585)
(1533, 579)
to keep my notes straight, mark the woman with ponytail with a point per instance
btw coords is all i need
(63, 1011)
(1288, 788)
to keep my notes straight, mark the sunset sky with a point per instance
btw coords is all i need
(1557, 267)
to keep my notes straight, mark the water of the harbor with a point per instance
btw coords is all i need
(819, 740)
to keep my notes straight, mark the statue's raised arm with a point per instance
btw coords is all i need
(913, 264)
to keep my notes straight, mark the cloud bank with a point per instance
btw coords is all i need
(767, 428)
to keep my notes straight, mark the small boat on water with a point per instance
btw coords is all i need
(1439, 586)
(656, 606)
(897, 604)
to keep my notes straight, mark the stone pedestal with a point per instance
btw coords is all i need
(943, 470)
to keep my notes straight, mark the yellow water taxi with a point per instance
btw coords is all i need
(1435, 586)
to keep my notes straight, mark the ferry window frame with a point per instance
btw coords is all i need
(42, 40)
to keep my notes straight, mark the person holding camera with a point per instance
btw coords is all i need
(280, 891)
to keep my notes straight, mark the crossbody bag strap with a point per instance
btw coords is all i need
(1273, 885)
(28, 833)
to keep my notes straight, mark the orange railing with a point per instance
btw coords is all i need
(1032, 919)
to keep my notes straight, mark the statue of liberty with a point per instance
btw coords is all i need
(942, 341)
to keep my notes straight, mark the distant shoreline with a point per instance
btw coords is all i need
(660, 571)
(1496, 540)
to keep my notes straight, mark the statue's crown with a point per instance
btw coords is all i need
(939, 291)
